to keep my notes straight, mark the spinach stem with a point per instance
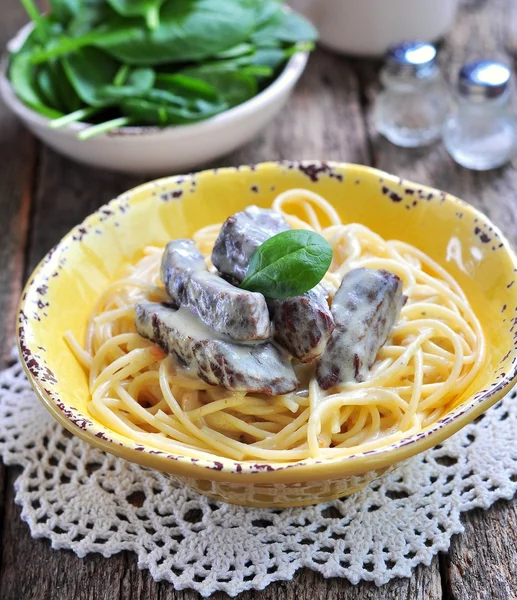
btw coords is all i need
(32, 11)
(35, 16)
(298, 47)
(65, 46)
(152, 17)
(104, 127)
(121, 76)
(257, 70)
(73, 117)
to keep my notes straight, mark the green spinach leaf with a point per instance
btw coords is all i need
(68, 98)
(23, 76)
(193, 60)
(91, 16)
(40, 21)
(47, 85)
(196, 106)
(191, 87)
(269, 17)
(278, 26)
(153, 112)
(295, 28)
(89, 70)
(288, 264)
(233, 85)
(189, 30)
(269, 57)
(64, 10)
(235, 52)
(138, 82)
(148, 9)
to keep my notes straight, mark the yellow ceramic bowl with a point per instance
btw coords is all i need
(63, 288)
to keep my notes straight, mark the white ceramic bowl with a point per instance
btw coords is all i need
(369, 27)
(155, 150)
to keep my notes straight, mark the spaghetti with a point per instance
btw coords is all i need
(433, 353)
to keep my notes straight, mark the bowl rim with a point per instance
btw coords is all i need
(227, 469)
(287, 77)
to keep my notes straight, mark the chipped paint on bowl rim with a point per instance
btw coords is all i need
(388, 191)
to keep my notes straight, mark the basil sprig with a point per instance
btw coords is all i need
(288, 264)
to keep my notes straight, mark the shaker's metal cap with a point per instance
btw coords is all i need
(483, 80)
(411, 58)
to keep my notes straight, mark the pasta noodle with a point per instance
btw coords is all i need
(433, 353)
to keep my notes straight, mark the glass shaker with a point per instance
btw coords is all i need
(482, 133)
(415, 103)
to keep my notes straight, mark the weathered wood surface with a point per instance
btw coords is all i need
(43, 195)
(18, 168)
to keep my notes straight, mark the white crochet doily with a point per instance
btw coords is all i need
(88, 501)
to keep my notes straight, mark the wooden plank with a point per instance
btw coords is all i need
(18, 165)
(61, 575)
(483, 29)
(66, 194)
(482, 561)
(323, 120)
(18, 160)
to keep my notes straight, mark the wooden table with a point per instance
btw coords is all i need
(42, 195)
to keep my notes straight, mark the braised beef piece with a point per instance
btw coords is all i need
(303, 324)
(257, 367)
(240, 314)
(241, 234)
(365, 308)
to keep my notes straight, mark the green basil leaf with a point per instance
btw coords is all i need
(288, 264)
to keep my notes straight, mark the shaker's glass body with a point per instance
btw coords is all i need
(411, 111)
(481, 136)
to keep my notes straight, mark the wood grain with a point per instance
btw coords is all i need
(329, 117)
(482, 561)
(17, 164)
(66, 193)
(481, 31)
(17, 169)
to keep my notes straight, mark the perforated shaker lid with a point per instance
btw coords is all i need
(484, 80)
(411, 58)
